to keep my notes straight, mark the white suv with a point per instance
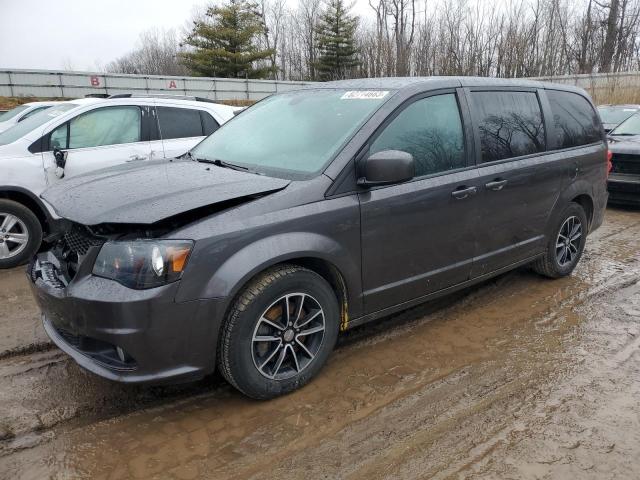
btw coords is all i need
(9, 118)
(78, 136)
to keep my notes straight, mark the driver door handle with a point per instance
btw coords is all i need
(496, 185)
(135, 158)
(464, 192)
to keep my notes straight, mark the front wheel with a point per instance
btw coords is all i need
(279, 332)
(20, 234)
(565, 244)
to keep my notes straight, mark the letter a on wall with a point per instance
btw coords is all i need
(95, 81)
(172, 84)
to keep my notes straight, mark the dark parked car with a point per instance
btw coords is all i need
(614, 115)
(312, 212)
(624, 145)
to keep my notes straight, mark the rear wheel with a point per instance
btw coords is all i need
(565, 245)
(20, 234)
(279, 333)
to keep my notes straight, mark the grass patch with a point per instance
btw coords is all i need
(7, 103)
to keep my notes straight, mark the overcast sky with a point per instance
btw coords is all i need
(84, 34)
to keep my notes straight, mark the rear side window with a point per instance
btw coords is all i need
(209, 124)
(430, 129)
(576, 122)
(510, 124)
(179, 123)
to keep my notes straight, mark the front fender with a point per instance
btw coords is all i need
(234, 273)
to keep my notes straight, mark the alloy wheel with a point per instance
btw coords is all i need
(14, 235)
(288, 336)
(568, 241)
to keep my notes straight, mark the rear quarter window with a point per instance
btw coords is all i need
(209, 124)
(575, 121)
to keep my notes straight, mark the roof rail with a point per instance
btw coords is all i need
(160, 95)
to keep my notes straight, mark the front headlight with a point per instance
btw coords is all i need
(143, 264)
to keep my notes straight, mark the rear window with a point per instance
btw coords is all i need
(179, 123)
(510, 124)
(576, 122)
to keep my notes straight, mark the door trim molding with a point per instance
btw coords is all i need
(432, 296)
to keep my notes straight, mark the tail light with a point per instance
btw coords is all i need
(609, 162)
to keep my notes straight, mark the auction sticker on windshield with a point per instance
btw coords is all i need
(364, 95)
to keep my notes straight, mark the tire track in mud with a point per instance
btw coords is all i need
(27, 350)
(446, 389)
(506, 396)
(588, 427)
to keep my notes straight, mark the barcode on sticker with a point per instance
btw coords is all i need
(364, 95)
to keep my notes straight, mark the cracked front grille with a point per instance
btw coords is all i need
(79, 241)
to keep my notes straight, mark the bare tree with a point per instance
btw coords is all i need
(155, 54)
(439, 37)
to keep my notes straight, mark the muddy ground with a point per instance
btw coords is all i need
(521, 377)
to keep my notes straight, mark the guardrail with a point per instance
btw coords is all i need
(59, 84)
(56, 84)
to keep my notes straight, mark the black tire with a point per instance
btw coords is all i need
(29, 224)
(238, 353)
(550, 265)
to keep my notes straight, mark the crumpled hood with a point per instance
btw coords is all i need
(153, 191)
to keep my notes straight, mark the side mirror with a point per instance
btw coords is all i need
(387, 167)
(60, 156)
(61, 161)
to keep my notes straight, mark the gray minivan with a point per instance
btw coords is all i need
(314, 211)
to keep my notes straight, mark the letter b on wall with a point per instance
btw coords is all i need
(95, 81)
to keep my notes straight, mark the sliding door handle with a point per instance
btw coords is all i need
(496, 185)
(464, 192)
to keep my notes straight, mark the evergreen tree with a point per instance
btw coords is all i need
(225, 43)
(338, 54)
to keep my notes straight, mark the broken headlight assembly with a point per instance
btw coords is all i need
(142, 264)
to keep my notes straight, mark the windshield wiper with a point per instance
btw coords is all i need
(220, 163)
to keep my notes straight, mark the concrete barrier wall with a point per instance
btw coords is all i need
(47, 83)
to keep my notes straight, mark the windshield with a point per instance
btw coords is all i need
(615, 114)
(292, 134)
(630, 126)
(19, 130)
(12, 113)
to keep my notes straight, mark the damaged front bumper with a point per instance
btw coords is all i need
(125, 335)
